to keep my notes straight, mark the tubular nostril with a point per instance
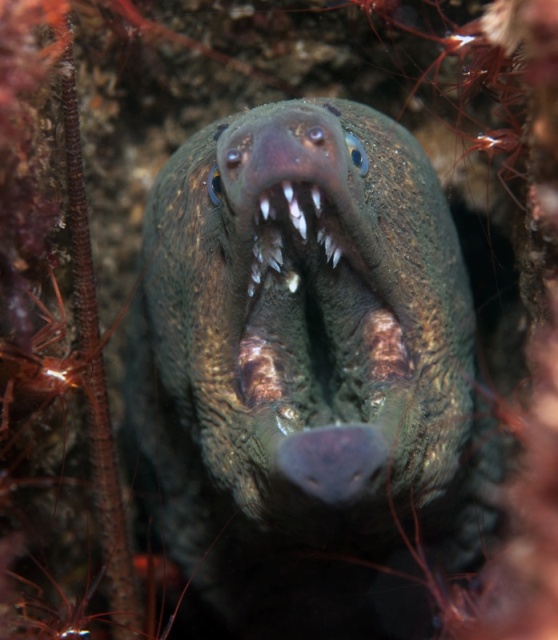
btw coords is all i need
(233, 158)
(316, 135)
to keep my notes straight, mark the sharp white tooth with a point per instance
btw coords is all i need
(302, 228)
(264, 207)
(317, 199)
(277, 255)
(256, 250)
(294, 209)
(293, 280)
(256, 274)
(281, 427)
(275, 259)
(336, 256)
(251, 289)
(298, 219)
(329, 247)
(288, 190)
(320, 236)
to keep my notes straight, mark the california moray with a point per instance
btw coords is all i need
(307, 311)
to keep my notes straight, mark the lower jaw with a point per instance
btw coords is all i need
(330, 466)
(325, 438)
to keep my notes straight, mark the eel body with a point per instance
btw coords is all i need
(308, 314)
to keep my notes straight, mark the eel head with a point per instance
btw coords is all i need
(311, 311)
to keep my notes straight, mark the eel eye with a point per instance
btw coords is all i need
(214, 189)
(357, 153)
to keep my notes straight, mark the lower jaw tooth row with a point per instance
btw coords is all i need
(333, 252)
(274, 258)
(268, 251)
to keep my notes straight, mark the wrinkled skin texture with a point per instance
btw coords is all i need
(302, 390)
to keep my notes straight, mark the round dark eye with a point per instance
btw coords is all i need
(214, 188)
(357, 153)
(356, 157)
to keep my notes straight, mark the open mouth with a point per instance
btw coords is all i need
(319, 345)
(348, 306)
(310, 312)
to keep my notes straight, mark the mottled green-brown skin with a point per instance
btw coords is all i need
(215, 453)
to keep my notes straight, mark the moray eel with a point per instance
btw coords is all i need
(309, 317)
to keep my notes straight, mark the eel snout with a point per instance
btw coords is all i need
(295, 144)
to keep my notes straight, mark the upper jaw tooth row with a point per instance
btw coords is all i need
(268, 246)
(295, 212)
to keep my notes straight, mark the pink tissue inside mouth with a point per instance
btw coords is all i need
(383, 340)
(381, 347)
(260, 378)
